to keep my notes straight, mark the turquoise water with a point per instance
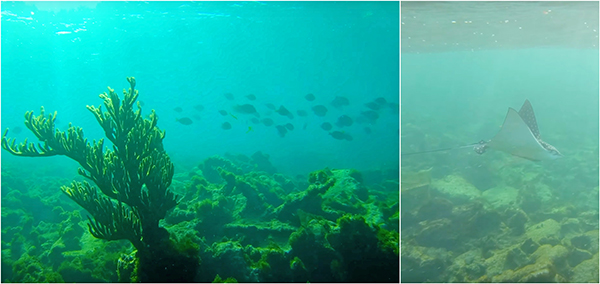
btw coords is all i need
(478, 218)
(282, 127)
(183, 54)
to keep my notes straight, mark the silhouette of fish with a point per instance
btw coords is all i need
(251, 97)
(267, 121)
(371, 115)
(326, 126)
(281, 130)
(184, 121)
(380, 100)
(373, 105)
(289, 126)
(199, 107)
(285, 112)
(339, 135)
(344, 120)
(368, 130)
(246, 109)
(270, 106)
(338, 102)
(310, 97)
(178, 109)
(320, 110)
(229, 96)
(301, 113)
(223, 112)
(226, 125)
(255, 120)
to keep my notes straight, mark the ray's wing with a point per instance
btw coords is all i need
(516, 137)
(526, 113)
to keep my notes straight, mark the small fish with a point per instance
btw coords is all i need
(301, 113)
(251, 97)
(339, 135)
(310, 97)
(199, 107)
(17, 130)
(226, 125)
(229, 96)
(255, 120)
(305, 125)
(380, 101)
(283, 111)
(223, 112)
(267, 122)
(178, 109)
(373, 105)
(289, 126)
(249, 129)
(141, 103)
(281, 130)
(184, 121)
(233, 116)
(320, 110)
(344, 120)
(370, 115)
(368, 130)
(270, 106)
(245, 108)
(338, 102)
(326, 126)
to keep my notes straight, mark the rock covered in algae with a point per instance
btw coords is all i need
(501, 197)
(456, 189)
(586, 271)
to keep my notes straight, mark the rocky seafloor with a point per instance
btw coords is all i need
(514, 223)
(247, 222)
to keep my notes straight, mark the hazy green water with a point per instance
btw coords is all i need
(463, 64)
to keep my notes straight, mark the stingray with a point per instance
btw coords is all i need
(519, 136)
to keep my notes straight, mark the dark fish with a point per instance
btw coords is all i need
(251, 97)
(184, 121)
(199, 107)
(370, 115)
(197, 117)
(301, 113)
(339, 135)
(368, 130)
(223, 112)
(326, 126)
(380, 101)
(373, 105)
(141, 103)
(283, 111)
(16, 130)
(229, 96)
(310, 97)
(340, 101)
(226, 125)
(281, 130)
(270, 106)
(320, 110)
(289, 126)
(305, 125)
(344, 120)
(255, 120)
(267, 122)
(245, 108)
(178, 109)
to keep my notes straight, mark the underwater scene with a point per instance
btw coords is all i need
(499, 142)
(202, 142)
